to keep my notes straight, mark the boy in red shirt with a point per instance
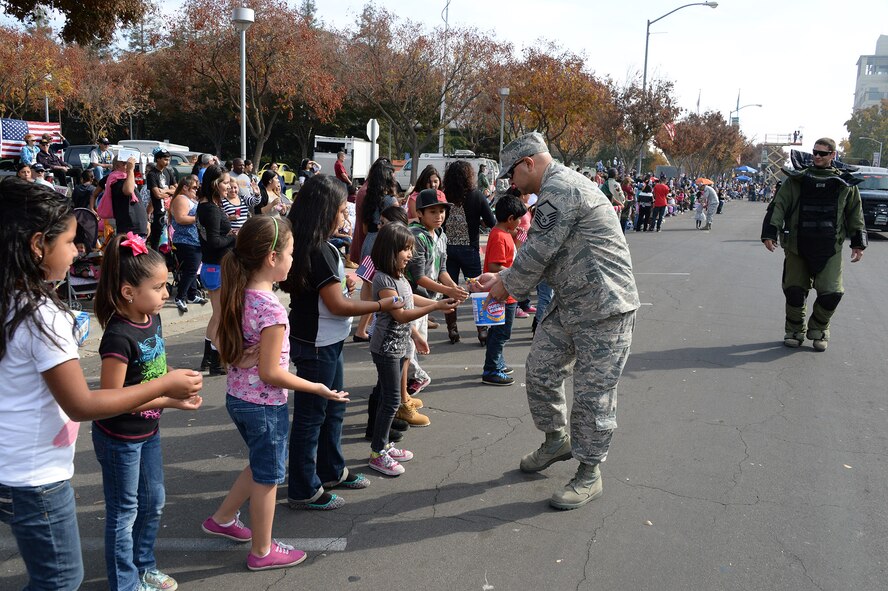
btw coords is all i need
(661, 196)
(499, 255)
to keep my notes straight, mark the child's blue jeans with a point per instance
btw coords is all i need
(132, 478)
(497, 337)
(44, 522)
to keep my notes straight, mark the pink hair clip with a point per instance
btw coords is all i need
(136, 243)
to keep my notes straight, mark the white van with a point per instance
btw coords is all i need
(146, 147)
(441, 162)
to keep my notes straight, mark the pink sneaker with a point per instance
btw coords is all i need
(519, 313)
(280, 556)
(399, 455)
(237, 531)
(385, 464)
(530, 309)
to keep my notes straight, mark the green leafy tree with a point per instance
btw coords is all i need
(870, 123)
(87, 22)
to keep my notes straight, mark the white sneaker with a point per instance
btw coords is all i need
(401, 455)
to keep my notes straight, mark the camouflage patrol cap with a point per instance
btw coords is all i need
(528, 144)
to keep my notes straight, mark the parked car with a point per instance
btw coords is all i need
(77, 157)
(874, 195)
(182, 162)
(285, 171)
(7, 168)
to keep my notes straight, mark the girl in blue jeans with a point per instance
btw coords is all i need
(129, 297)
(320, 316)
(254, 341)
(42, 389)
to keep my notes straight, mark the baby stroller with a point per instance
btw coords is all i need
(83, 275)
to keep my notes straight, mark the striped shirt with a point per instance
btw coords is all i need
(241, 212)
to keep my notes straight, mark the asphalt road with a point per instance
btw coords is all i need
(738, 464)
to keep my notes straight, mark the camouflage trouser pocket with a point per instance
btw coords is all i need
(602, 350)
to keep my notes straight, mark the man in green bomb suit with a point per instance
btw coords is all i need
(812, 214)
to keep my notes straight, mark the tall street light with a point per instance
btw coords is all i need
(737, 110)
(876, 161)
(503, 92)
(48, 78)
(647, 40)
(242, 19)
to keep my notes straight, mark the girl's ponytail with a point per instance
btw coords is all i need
(230, 335)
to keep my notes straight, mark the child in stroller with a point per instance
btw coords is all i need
(83, 276)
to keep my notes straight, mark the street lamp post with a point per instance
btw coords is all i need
(503, 92)
(737, 110)
(647, 40)
(242, 19)
(879, 162)
(48, 78)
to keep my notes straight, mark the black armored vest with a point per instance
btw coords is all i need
(818, 212)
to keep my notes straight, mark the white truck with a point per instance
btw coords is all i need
(441, 162)
(358, 154)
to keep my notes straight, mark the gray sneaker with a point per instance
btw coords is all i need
(820, 345)
(584, 487)
(554, 449)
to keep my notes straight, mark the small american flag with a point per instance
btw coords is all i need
(14, 131)
(521, 235)
(366, 270)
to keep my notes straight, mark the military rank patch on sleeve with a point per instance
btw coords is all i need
(545, 216)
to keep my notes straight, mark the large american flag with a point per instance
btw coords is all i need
(14, 131)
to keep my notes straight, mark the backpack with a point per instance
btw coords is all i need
(606, 190)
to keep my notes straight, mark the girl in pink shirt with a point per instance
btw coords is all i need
(254, 339)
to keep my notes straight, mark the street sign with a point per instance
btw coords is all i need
(373, 130)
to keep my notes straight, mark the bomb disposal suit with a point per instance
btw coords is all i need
(812, 214)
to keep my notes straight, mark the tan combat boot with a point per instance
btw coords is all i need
(584, 487)
(556, 448)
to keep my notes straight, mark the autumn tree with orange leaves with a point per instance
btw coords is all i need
(405, 72)
(45, 72)
(285, 66)
(553, 93)
(703, 144)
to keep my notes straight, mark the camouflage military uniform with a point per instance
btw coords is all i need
(575, 245)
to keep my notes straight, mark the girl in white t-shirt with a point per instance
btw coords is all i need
(42, 388)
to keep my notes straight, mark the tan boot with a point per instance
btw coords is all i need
(406, 412)
(584, 487)
(556, 448)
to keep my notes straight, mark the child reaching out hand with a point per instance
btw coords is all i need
(129, 298)
(254, 340)
(42, 389)
(392, 251)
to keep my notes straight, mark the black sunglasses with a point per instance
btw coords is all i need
(821, 152)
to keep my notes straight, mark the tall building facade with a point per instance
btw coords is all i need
(872, 76)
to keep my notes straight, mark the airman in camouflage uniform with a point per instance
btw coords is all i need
(576, 245)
